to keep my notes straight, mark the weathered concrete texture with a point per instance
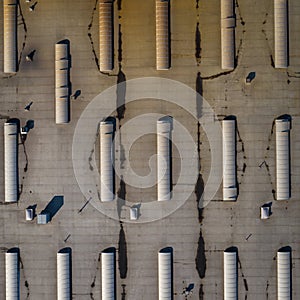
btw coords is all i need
(49, 150)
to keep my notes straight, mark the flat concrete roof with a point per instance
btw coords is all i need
(46, 167)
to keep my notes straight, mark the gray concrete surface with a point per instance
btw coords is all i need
(49, 151)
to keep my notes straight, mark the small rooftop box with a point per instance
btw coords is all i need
(43, 218)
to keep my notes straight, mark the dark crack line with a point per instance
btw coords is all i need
(266, 19)
(270, 177)
(92, 296)
(120, 50)
(240, 47)
(295, 75)
(240, 140)
(119, 3)
(22, 17)
(25, 35)
(25, 168)
(266, 37)
(269, 48)
(215, 251)
(93, 150)
(201, 292)
(239, 11)
(123, 294)
(246, 287)
(198, 48)
(267, 290)
(26, 156)
(94, 278)
(271, 134)
(267, 6)
(94, 52)
(28, 290)
(243, 169)
(265, 164)
(92, 17)
(25, 282)
(90, 35)
(9, 76)
(199, 187)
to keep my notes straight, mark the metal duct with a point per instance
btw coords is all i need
(229, 160)
(11, 161)
(10, 43)
(281, 33)
(162, 35)
(62, 83)
(106, 35)
(106, 161)
(227, 35)
(283, 184)
(163, 160)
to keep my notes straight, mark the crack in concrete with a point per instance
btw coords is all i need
(121, 81)
(201, 292)
(94, 52)
(92, 17)
(199, 187)
(239, 11)
(198, 48)
(265, 164)
(26, 284)
(121, 94)
(246, 287)
(295, 75)
(267, 290)
(26, 165)
(120, 45)
(119, 4)
(123, 294)
(269, 48)
(92, 296)
(200, 257)
(25, 153)
(121, 196)
(240, 47)
(90, 158)
(94, 278)
(266, 18)
(266, 37)
(215, 250)
(242, 150)
(28, 290)
(240, 141)
(25, 30)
